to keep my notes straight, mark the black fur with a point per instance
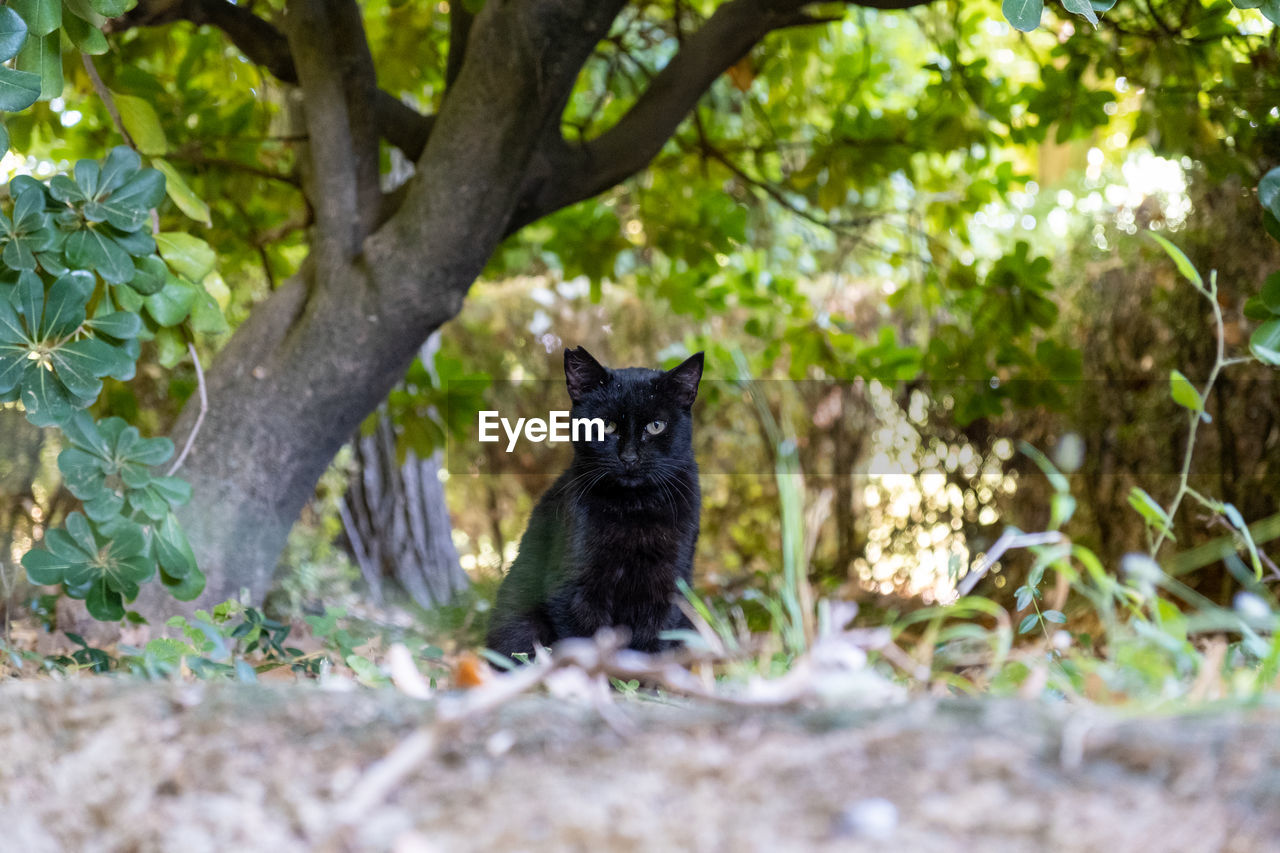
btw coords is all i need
(608, 540)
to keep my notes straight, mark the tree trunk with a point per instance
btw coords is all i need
(396, 521)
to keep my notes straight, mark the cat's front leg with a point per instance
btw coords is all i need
(521, 633)
(578, 612)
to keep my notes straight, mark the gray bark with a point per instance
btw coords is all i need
(397, 522)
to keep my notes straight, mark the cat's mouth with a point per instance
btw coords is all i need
(629, 480)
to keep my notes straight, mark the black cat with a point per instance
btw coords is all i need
(608, 540)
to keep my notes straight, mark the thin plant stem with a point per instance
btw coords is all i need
(204, 407)
(1183, 481)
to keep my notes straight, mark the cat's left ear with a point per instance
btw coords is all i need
(582, 373)
(682, 380)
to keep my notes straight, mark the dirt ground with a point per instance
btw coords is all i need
(100, 764)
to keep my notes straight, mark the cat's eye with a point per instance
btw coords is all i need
(655, 427)
(610, 428)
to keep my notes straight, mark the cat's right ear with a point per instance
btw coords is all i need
(582, 373)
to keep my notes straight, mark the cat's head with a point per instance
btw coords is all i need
(647, 414)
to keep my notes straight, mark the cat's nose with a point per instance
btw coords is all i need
(628, 455)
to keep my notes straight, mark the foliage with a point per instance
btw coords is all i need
(84, 283)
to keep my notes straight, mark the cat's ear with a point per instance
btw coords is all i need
(682, 380)
(582, 373)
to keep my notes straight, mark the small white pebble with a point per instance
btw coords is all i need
(1251, 607)
(874, 818)
(500, 742)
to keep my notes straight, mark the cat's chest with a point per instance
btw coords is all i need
(627, 548)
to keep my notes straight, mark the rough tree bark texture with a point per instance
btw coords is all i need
(385, 271)
(397, 522)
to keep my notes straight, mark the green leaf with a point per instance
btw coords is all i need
(118, 324)
(121, 163)
(44, 397)
(188, 256)
(1271, 11)
(1028, 622)
(28, 209)
(64, 189)
(175, 490)
(131, 300)
(13, 364)
(144, 190)
(171, 349)
(181, 193)
(127, 208)
(1151, 511)
(187, 588)
(1269, 186)
(206, 316)
(173, 550)
(12, 331)
(1051, 472)
(112, 8)
(1055, 616)
(43, 56)
(1189, 272)
(1265, 343)
(44, 568)
(81, 535)
(85, 36)
(150, 276)
(83, 433)
(1023, 598)
(1184, 393)
(87, 173)
(85, 473)
(13, 32)
(1084, 8)
(1270, 294)
(151, 451)
(103, 602)
(91, 249)
(81, 364)
(173, 303)
(103, 505)
(166, 650)
(42, 16)
(140, 119)
(1255, 309)
(139, 243)
(31, 300)
(64, 306)
(1023, 14)
(18, 89)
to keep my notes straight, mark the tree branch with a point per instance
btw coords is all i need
(628, 147)
(460, 21)
(338, 82)
(264, 45)
(502, 112)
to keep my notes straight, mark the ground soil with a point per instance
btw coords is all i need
(100, 764)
